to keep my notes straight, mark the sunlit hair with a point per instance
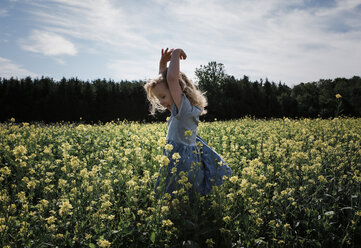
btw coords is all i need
(194, 95)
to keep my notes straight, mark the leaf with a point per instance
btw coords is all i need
(346, 208)
(190, 243)
(329, 213)
(152, 237)
(91, 245)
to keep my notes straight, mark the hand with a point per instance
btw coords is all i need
(166, 55)
(180, 53)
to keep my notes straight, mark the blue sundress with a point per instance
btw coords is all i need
(203, 166)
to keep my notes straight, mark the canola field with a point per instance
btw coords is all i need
(295, 183)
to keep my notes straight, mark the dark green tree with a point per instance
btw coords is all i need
(211, 79)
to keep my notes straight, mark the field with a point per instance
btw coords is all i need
(295, 183)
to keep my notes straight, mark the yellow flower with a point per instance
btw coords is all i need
(166, 223)
(127, 210)
(103, 243)
(322, 179)
(165, 209)
(84, 173)
(188, 133)
(65, 208)
(59, 235)
(230, 196)
(31, 185)
(19, 151)
(131, 183)
(175, 202)
(174, 170)
(259, 221)
(51, 219)
(106, 205)
(226, 219)
(262, 178)
(252, 211)
(176, 156)
(284, 192)
(62, 183)
(162, 141)
(338, 96)
(243, 183)
(5, 171)
(74, 162)
(47, 150)
(3, 228)
(22, 197)
(233, 179)
(165, 161)
(183, 180)
(210, 243)
(168, 147)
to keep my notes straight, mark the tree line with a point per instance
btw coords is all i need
(47, 100)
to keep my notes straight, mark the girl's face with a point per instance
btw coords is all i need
(162, 92)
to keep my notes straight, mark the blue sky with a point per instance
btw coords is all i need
(291, 41)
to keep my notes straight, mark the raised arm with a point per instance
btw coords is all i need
(166, 55)
(173, 76)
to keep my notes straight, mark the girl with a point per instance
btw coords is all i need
(191, 160)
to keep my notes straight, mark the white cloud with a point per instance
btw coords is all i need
(283, 40)
(271, 38)
(3, 12)
(130, 69)
(144, 69)
(100, 21)
(59, 60)
(47, 43)
(9, 69)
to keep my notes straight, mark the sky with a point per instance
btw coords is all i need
(287, 41)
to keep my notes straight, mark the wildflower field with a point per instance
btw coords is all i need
(295, 183)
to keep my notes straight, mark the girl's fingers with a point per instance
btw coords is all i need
(183, 55)
(169, 52)
(166, 51)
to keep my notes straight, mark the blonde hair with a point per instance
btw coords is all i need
(194, 95)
